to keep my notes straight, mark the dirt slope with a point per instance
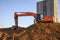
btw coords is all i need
(37, 31)
(45, 31)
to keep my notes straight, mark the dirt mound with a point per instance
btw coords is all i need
(45, 31)
(37, 31)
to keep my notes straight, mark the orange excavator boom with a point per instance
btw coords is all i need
(22, 14)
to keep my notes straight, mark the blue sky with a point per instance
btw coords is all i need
(8, 7)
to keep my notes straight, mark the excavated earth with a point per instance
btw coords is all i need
(37, 31)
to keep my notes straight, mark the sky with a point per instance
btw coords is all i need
(8, 7)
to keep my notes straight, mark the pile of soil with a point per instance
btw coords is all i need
(45, 31)
(37, 31)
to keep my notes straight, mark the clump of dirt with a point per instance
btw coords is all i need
(37, 31)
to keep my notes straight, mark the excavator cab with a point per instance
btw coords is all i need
(43, 19)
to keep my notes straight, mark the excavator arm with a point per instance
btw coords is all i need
(23, 14)
(27, 14)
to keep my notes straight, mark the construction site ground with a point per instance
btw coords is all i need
(37, 31)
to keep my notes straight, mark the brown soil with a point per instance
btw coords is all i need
(37, 31)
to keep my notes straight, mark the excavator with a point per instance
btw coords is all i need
(46, 18)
